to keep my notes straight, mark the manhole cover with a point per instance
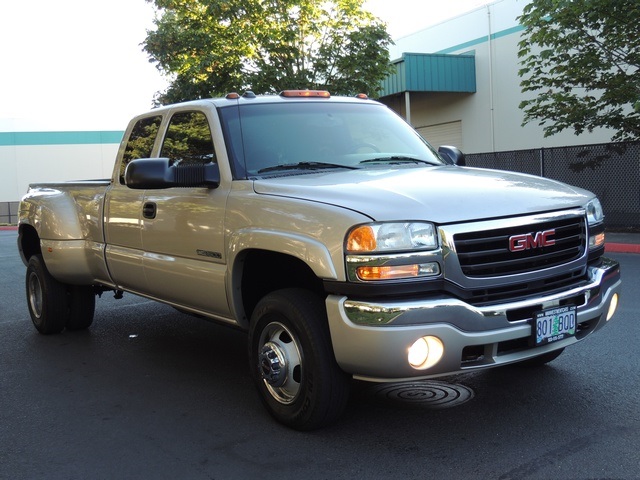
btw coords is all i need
(430, 394)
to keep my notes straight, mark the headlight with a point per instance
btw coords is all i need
(392, 251)
(595, 214)
(392, 237)
(595, 219)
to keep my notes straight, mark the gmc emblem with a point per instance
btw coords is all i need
(527, 241)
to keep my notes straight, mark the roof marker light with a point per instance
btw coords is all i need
(305, 93)
(232, 96)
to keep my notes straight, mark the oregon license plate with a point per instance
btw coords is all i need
(554, 324)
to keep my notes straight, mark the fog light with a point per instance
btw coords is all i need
(425, 352)
(612, 306)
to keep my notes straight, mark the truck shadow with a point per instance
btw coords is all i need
(156, 347)
(154, 382)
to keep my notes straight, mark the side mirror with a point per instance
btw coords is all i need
(156, 173)
(453, 154)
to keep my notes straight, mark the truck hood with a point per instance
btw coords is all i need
(445, 194)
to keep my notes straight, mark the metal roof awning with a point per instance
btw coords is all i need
(431, 72)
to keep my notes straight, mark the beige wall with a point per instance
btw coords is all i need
(491, 119)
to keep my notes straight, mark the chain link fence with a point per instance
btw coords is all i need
(8, 213)
(610, 170)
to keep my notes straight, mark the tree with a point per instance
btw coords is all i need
(581, 58)
(213, 47)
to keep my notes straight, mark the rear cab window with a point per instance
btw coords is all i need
(188, 140)
(140, 143)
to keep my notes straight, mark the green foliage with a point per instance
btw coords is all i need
(141, 141)
(188, 139)
(213, 47)
(580, 58)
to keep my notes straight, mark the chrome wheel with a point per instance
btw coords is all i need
(280, 363)
(35, 295)
(292, 362)
(46, 298)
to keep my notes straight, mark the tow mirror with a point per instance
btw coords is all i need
(452, 154)
(156, 173)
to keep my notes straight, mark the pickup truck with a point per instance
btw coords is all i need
(335, 235)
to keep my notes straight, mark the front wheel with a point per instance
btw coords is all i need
(292, 361)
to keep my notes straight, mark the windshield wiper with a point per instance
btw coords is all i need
(397, 159)
(305, 166)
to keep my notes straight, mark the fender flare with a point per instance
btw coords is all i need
(309, 250)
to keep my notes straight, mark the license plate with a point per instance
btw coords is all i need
(554, 324)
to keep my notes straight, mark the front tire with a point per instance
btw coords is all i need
(292, 361)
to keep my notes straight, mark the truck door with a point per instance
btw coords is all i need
(123, 212)
(183, 228)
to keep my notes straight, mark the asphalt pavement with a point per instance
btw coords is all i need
(149, 393)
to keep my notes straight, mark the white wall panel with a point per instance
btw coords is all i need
(21, 165)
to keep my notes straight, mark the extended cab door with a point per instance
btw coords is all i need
(183, 228)
(123, 211)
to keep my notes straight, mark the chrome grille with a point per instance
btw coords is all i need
(485, 254)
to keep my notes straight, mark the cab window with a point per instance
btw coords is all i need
(140, 142)
(188, 139)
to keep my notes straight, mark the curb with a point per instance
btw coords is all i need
(621, 248)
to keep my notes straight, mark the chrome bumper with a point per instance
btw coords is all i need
(371, 339)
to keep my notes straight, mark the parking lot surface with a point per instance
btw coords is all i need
(148, 392)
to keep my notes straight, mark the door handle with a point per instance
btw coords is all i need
(149, 210)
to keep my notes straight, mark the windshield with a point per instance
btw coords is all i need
(291, 138)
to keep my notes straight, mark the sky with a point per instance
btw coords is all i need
(79, 65)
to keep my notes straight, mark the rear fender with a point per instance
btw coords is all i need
(66, 228)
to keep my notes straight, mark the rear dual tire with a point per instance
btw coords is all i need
(53, 305)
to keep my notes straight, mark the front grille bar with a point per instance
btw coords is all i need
(483, 254)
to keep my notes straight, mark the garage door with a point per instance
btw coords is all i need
(443, 134)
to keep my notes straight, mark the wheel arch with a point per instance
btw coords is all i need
(258, 272)
(263, 260)
(28, 243)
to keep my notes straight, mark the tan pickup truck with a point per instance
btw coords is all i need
(330, 231)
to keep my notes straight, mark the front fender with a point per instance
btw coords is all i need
(309, 250)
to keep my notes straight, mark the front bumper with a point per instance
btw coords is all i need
(371, 339)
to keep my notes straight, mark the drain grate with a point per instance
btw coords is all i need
(430, 394)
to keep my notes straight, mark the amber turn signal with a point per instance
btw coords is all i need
(361, 239)
(305, 93)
